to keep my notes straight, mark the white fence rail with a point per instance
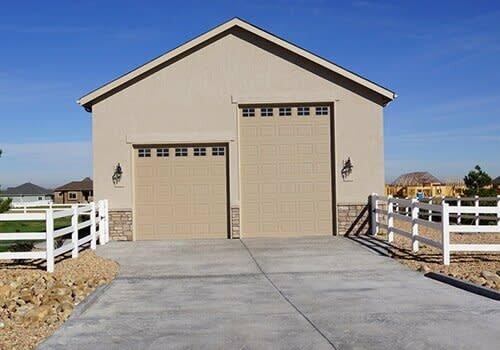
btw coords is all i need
(31, 203)
(92, 215)
(482, 219)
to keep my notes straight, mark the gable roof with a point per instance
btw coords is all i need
(85, 185)
(26, 189)
(496, 181)
(115, 85)
(415, 179)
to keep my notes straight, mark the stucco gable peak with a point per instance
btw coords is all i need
(125, 80)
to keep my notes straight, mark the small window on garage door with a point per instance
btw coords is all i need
(144, 152)
(218, 151)
(162, 152)
(181, 152)
(199, 151)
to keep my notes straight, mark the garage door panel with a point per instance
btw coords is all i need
(250, 131)
(181, 196)
(270, 226)
(269, 171)
(164, 172)
(286, 131)
(182, 171)
(163, 192)
(144, 171)
(288, 226)
(145, 193)
(250, 171)
(322, 131)
(285, 174)
(200, 171)
(201, 210)
(267, 131)
(306, 226)
(164, 213)
(304, 130)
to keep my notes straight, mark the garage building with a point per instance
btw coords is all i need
(237, 133)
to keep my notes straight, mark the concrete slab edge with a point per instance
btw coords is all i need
(467, 286)
(90, 300)
(82, 307)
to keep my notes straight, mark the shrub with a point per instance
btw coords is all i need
(5, 204)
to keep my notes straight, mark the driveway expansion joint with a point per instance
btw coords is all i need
(308, 320)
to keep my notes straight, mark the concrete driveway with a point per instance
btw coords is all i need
(295, 293)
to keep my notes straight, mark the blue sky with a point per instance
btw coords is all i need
(440, 57)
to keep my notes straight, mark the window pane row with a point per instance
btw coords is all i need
(180, 152)
(302, 111)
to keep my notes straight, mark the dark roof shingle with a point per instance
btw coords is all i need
(26, 189)
(84, 185)
(496, 181)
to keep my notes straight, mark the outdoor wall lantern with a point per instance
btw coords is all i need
(347, 168)
(117, 174)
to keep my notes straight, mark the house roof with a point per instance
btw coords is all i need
(416, 178)
(26, 189)
(142, 71)
(85, 185)
(496, 181)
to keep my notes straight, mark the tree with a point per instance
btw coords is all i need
(478, 183)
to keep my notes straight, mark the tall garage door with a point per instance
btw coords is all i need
(180, 192)
(285, 170)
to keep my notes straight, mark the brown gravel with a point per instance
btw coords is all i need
(34, 303)
(473, 267)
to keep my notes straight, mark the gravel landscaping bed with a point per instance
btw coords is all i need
(34, 303)
(479, 268)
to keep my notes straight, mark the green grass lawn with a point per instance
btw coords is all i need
(28, 226)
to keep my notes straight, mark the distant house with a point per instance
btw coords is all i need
(75, 192)
(496, 184)
(27, 192)
(422, 183)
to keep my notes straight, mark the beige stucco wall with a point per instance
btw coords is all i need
(195, 99)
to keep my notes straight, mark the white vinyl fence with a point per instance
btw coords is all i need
(37, 203)
(92, 215)
(450, 216)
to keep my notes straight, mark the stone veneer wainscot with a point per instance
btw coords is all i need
(120, 224)
(353, 219)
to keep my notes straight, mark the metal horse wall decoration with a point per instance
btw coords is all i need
(347, 168)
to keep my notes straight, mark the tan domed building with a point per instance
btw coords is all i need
(423, 183)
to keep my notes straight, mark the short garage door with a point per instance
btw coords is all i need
(180, 192)
(286, 186)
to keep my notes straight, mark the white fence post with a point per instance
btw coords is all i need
(374, 216)
(106, 213)
(498, 211)
(74, 235)
(92, 226)
(102, 222)
(459, 212)
(390, 219)
(49, 240)
(414, 224)
(445, 223)
(430, 211)
(476, 204)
